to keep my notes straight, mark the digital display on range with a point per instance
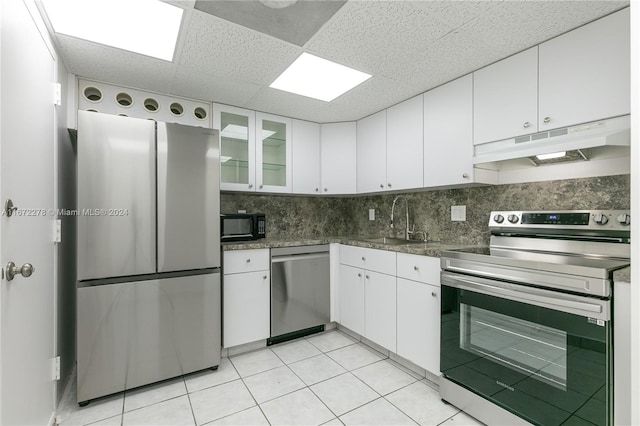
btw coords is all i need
(556, 218)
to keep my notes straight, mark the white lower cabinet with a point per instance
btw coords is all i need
(352, 298)
(245, 297)
(368, 293)
(419, 324)
(380, 309)
(392, 299)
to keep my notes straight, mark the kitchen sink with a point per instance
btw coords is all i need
(390, 241)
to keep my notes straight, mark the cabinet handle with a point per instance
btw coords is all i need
(415, 268)
(465, 175)
(366, 276)
(359, 275)
(261, 186)
(363, 259)
(250, 185)
(434, 294)
(526, 125)
(389, 184)
(381, 185)
(325, 190)
(248, 260)
(316, 189)
(547, 120)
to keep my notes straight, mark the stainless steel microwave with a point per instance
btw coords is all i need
(242, 226)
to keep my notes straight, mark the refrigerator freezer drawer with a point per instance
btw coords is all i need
(136, 333)
(188, 198)
(116, 196)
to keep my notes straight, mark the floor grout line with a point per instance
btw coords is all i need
(281, 358)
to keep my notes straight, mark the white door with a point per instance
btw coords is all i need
(305, 163)
(405, 144)
(338, 158)
(26, 177)
(448, 133)
(371, 153)
(505, 98)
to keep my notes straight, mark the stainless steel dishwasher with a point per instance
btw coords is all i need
(299, 291)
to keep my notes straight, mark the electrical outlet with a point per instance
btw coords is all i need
(458, 213)
(372, 214)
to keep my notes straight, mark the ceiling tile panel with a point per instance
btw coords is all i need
(457, 13)
(200, 85)
(372, 36)
(283, 103)
(448, 58)
(518, 25)
(99, 62)
(212, 45)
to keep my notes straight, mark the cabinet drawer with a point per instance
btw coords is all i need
(239, 261)
(373, 260)
(424, 269)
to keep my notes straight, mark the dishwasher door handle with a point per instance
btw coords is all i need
(278, 259)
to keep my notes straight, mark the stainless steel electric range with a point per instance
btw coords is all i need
(527, 323)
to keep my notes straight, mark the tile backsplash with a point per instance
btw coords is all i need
(291, 216)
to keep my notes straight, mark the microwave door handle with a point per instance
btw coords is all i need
(236, 236)
(550, 300)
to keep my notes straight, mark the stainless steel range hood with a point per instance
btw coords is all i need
(604, 138)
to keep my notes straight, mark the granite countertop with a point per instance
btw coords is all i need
(433, 249)
(622, 275)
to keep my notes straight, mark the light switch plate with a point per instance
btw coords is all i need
(458, 213)
(372, 214)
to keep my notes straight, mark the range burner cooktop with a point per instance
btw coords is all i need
(575, 251)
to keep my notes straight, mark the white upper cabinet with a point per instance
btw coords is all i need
(338, 158)
(505, 98)
(371, 153)
(448, 134)
(390, 148)
(585, 74)
(237, 147)
(405, 144)
(306, 157)
(273, 153)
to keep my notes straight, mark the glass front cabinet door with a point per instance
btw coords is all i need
(273, 153)
(237, 147)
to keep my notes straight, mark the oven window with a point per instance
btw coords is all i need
(547, 366)
(533, 349)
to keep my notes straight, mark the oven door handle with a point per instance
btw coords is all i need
(544, 298)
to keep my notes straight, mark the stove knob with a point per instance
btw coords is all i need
(513, 218)
(498, 218)
(600, 219)
(624, 219)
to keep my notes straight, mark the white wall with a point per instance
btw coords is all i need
(635, 209)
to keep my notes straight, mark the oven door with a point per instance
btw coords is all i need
(542, 355)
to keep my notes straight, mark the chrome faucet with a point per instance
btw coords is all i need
(406, 205)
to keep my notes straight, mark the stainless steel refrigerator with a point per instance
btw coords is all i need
(148, 296)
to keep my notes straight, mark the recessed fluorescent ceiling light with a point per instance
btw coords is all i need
(318, 78)
(552, 155)
(149, 27)
(235, 131)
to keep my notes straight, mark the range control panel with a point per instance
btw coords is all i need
(563, 219)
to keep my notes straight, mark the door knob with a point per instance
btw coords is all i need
(12, 270)
(9, 208)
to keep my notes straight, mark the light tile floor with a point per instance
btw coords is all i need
(324, 379)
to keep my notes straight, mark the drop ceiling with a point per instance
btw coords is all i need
(228, 55)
